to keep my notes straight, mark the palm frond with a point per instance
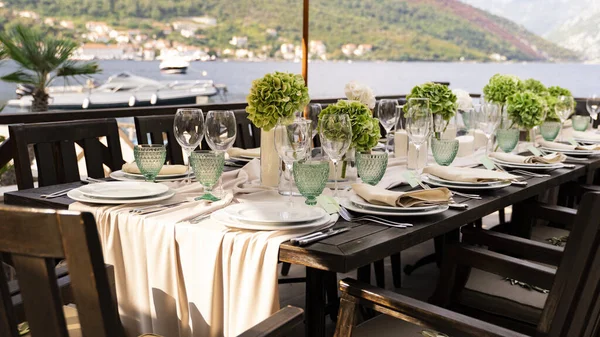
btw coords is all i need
(20, 76)
(73, 68)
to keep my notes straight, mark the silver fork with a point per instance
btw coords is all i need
(531, 174)
(346, 215)
(64, 192)
(154, 208)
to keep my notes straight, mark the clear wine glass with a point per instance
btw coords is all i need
(188, 128)
(563, 109)
(419, 124)
(292, 142)
(387, 112)
(592, 105)
(221, 130)
(487, 120)
(312, 113)
(335, 132)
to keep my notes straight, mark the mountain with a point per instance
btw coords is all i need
(432, 30)
(572, 24)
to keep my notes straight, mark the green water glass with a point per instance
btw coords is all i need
(150, 158)
(311, 177)
(550, 130)
(207, 167)
(444, 150)
(371, 166)
(580, 123)
(507, 139)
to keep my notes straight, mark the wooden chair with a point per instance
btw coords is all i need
(248, 135)
(33, 238)
(572, 308)
(55, 153)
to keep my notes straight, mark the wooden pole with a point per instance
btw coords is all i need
(305, 22)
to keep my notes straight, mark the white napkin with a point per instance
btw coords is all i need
(467, 174)
(380, 196)
(237, 152)
(553, 158)
(583, 135)
(165, 170)
(563, 146)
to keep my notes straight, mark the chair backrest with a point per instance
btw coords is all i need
(573, 304)
(34, 238)
(154, 130)
(248, 135)
(55, 152)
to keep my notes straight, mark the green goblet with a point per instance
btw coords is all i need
(444, 150)
(507, 139)
(371, 166)
(580, 123)
(150, 159)
(311, 177)
(208, 167)
(550, 130)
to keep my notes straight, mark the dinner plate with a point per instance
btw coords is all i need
(587, 141)
(572, 152)
(223, 217)
(352, 207)
(77, 195)
(122, 176)
(273, 212)
(462, 183)
(163, 176)
(360, 202)
(242, 158)
(123, 190)
(427, 180)
(546, 166)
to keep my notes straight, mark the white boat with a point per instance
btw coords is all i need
(174, 65)
(120, 91)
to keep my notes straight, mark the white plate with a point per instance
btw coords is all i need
(273, 212)
(163, 176)
(462, 183)
(360, 202)
(587, 141)
(463, 187)
(123, 190)
(79, 196)
(222, 217)
(572, 152)
(350, 206)
(242, 158)
(522, 165)
(530, 167)
(122, 176)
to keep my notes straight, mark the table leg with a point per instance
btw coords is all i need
(521, 221)
(315, 302)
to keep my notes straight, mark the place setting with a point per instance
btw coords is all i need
(540, 162)
(573, 149)
(466, 178)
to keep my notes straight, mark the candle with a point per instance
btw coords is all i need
(466, 146)
(400, 143)
(480, 138)
(412, 156)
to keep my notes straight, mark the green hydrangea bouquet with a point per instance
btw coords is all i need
(442, 101)
(501, 87)
(365, 128)
(275, 96)
(551, 97)
(534, 86)
(526, 109)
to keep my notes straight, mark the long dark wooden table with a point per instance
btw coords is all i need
(366, 242)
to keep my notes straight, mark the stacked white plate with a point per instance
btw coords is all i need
(573, 153)
(587, 141)
(115, 192)
(462, 185)
(271, 216)
(245, 159)
(125, 176)
(529, 167)
(358, 204)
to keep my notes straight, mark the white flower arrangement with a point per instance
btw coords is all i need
(359, 92)
(463, 99)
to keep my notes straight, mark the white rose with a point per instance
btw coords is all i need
(463, 99)
(357, 92)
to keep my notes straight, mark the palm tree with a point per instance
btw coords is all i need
(41, 58)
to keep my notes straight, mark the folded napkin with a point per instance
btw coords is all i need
(237, 152)
(553, 158)
(165, 170)
(379, 196)
(583, 135)
(467, 174)
(563, 146)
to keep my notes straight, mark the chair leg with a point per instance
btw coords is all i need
(285, 268)
(379, 273)
(431, 258)
(396, 270)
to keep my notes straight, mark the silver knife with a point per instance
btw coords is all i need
(518, 183)
(315, 238)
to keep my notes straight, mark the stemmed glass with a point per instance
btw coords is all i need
(487, 120)
(208, 167)
(419, 124)
(563, 109)
(593, 106)
(188, 128)
(387, 112)
(221, 130)
(335, 132)
(292, 142)
(312, 113)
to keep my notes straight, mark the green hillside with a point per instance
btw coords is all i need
(433, 30)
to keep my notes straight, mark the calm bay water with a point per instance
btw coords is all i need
(327, 79)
